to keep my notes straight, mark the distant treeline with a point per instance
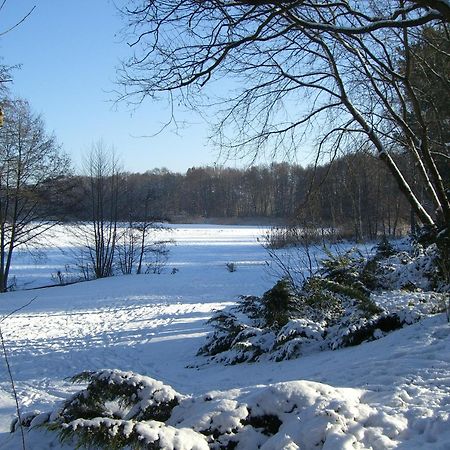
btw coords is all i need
(354, 194)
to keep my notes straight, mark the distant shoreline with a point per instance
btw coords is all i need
(255, 221)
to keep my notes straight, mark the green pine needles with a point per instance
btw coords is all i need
(116, 410)
(330, 309)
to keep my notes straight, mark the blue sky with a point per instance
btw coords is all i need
(68, 51)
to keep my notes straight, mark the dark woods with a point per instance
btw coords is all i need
(355, 195)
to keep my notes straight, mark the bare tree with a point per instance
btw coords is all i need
(31, 162)
(102, 190)
(344, 68)
(138, 249)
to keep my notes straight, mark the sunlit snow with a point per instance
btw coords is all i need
(390, 393)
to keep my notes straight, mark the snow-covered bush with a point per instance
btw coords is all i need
(419, 263)
(284, 325)
(228, 327)
(121, 395)
(329, 310)
(405, 270)
(115, 434)
(115, 410)
(279, 304)
(289, 415)
(344, 268)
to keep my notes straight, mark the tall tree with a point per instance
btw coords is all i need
(330, 67)
(102, 191)
(429, 63)
(31, 162)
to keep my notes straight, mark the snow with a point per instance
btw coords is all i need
(390, 393)
(151, 432)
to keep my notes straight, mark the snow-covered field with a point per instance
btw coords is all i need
(390, 393)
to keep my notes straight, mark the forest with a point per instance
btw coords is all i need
(353, 195)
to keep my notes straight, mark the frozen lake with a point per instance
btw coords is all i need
(198, 247)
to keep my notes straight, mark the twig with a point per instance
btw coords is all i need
(8, 367)
(19, 22)
(18, 309)
(16, 400)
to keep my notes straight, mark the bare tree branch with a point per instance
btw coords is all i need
(300, 69)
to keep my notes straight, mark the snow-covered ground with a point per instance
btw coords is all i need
(390, 393)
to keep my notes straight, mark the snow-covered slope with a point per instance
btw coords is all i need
(390, 393)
